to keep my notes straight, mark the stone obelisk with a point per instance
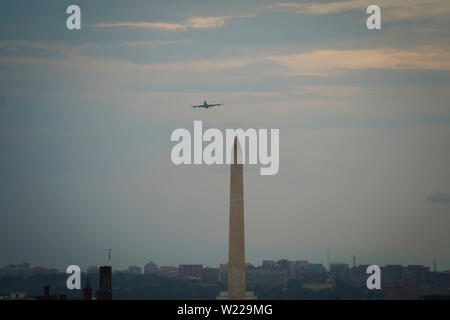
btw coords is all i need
(236, 253)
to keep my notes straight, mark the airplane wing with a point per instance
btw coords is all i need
(208, 105)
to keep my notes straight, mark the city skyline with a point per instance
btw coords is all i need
(84, 267)
(299, 279)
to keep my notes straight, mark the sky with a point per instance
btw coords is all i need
(86, 118)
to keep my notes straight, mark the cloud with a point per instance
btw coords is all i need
(29, 48)
(438, 197)
(207, 22)
(190, 23)
(154, 43)
(203, 65)
(325, 62)
(315, 8)
(313, 63)
(149, 25)
(391, 10)
(330, 91)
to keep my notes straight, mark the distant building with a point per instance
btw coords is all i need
(47, 295)
(87, 291)
(43, 271)
(265, 278)
(358, 275)
(92, 270)
(249, 266)
(104, 287)
(168, 271)
(190, 271)
(223, 273)
(311, 274)
(134, 270)
(150, 268)
(295, 266)
(392, 276)
(414, 282)
(16, 269)
(318, 267)
(339, 271)
(301, 263)
(24, 269)
(416, 275)
(443, 279)
(17, 296)
(268, 264)
(292, 270)
(210, 274)
(283, 265)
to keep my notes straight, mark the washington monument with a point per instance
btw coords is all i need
(236, 249)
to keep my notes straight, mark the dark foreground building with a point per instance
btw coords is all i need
(104, 287)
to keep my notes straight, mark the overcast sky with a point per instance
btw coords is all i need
(86, 118)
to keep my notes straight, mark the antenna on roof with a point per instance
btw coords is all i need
(328, 256)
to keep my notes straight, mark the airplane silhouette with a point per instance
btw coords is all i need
(206, 105)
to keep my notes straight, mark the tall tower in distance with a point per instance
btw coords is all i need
(236, 249)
